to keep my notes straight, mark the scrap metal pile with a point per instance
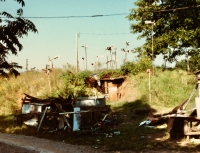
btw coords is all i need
(58, 113)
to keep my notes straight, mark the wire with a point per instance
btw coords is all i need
(104, 33)
(180, 8)
(100, 15)
(60, 17)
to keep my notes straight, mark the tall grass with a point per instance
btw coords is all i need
(34, 83)
(168, 89)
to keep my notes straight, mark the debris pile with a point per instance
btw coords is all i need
(58, 113)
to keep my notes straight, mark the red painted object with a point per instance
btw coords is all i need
(149, 71)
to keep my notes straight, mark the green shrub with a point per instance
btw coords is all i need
(73, 85)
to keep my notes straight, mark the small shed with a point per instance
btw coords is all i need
(111, 87)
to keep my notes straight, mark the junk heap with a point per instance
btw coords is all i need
(58, 113)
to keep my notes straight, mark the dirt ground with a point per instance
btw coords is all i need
(13, 143)
(14, 149)
(10, 148)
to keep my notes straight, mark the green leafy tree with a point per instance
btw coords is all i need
(177, 26)
(11, 29)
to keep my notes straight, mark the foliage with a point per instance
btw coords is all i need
(110, 73)
(195, 62)
(177, 26)
(69, 67)
(11, 29)
(129, 68)
(135, 67)
(84, 75)
(73, 85)
(181, 65)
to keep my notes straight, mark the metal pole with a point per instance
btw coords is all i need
(85, 57)
(152, 51)
(107, 62)
(110, 59)
(97, 63)
(126, 53)
(84, 64)
(149, 87)
(116, 58)
(76, 52)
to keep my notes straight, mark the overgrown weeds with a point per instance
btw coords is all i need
(168, 89)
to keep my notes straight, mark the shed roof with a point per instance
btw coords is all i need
(112, 79)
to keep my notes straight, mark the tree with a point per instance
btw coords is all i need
(177, 27)
(11, 29)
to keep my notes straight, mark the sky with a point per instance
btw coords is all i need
(58, 36)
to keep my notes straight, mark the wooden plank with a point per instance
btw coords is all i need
(193, 133)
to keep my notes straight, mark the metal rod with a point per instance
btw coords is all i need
(195, 88)
(42, 118)
(78, 112)
(152, 51)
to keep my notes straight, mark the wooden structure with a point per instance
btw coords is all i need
(183, 126)
(111, 87)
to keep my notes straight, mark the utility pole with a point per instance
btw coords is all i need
(115, 53)
(107, 62)
(152, 24)
(85, 55)
(77, 52)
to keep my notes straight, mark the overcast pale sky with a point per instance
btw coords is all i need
(57, 36)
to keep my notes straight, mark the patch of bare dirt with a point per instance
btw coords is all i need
(8, 148)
